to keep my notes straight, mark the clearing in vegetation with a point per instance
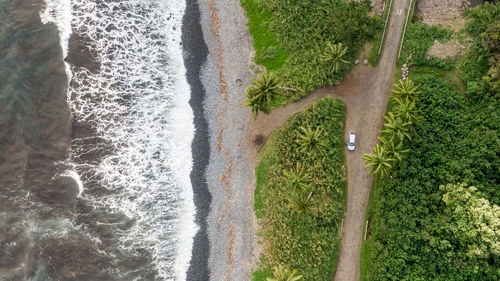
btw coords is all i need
(290, 39)
(300, 194)
(437, 216)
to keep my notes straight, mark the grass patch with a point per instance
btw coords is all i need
(365, 244)
(262, 274)
(303, 243)
(289, 38)
(267, 160)
(268, 52)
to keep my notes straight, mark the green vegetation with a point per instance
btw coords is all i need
(437, 216)
(281, 273)
(264, 91)
(418, 39)
(301, 189)
(333, 55)
(292, 37)
(398, 127)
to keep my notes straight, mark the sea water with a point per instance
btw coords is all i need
(132, 132)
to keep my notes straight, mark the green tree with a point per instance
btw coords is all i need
(262, 93)
(393, 148)
(407, 110)
(297, 178)
(310, 140)
(473, 220)
(281, 273)
(303, 204)
(334, 54)
(395, 126)
(493, 76)
(406, 89)
(379, 162)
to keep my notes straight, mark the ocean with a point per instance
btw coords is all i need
(96, 141)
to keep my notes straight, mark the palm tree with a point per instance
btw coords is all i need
(406, 89)
(407, 110)
(393, 148)
(281, 273)
(303, 204)
(264, 91)
(310, 140)
(378, 161)
(334, 54)
(297, 178)
(397, 127)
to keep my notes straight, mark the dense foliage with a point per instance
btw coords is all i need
(290, 38)
(301, 192)
(437, 217)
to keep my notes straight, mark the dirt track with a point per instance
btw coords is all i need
(365, 92)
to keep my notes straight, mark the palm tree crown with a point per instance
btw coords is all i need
(393, 148)
(407, 110)
(334, 54)
(397, 127)
(310, 140)
(297, 178)
(406, 89)
(303, 204)
(283, 274)
(264, 91)
(378, 161)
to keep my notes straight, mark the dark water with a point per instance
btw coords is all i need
(35, 130)
(48, 231)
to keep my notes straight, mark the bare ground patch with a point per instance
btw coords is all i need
(450, 49)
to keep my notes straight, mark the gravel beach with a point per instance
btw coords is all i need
(230, 224)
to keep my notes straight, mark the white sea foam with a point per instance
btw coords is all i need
(59, 13)
(138, 103)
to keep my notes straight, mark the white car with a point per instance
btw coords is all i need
(351, 145)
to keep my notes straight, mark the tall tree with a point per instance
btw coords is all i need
(310, 140)
(379, 162)
(472, 219)
(406, 89)
(393, 148)
(396, 127)
(407, 110)
(262, 93)
(334, 54)
(303, 204)
(281, 273)
(297, 178)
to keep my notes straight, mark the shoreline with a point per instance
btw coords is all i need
(195, 53)
(225, 247)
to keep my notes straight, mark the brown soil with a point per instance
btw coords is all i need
(447, 13)
(365, 92)
(451, 48)
(378, 6)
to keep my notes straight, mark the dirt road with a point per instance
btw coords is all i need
(365, 92)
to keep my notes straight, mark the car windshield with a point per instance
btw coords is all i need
(351, 144)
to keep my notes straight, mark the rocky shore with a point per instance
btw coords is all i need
(225, 212)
